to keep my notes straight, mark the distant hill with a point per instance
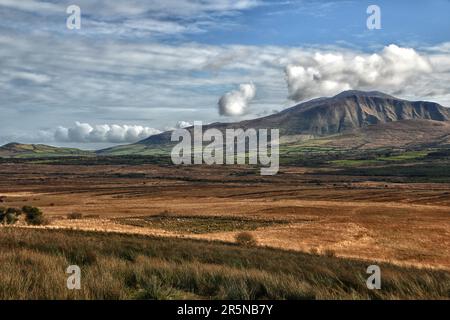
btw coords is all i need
(352, 117)
(18, 150)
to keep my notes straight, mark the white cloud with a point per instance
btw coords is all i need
(236, 102)
(183, 124)
(179, 125)
(168, 8)
(123, 82)
(134, 17)
(325, 74)
(31, 6)
(28, 76)
(84, 132)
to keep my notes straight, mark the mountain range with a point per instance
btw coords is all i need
(351, 119)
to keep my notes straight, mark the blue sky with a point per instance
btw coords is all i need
(139, 67)
(298, 23)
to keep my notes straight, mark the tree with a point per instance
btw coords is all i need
(33, 215)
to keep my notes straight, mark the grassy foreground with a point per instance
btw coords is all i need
(118, 266)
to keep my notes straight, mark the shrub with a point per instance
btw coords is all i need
(2, 214)
(11, 218)
(245, 238)
(330, 253)
(10, 215)
(74, 216)
(34, 216)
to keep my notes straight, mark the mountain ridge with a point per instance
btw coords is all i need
(350, 115)
(348, 110)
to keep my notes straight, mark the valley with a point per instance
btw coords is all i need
(363, 180)
(302, 208)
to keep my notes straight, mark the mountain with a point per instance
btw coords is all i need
(18, 150)
(352, 119)
(351, 113)
(352, 110)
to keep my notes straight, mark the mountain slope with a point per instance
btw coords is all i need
(18, 150)
(351, 119)
(350, 111)
(409, 134)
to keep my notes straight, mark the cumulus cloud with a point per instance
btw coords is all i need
(236, 102)
(179, 125)
(154, 82)
(324, 74)
(84, 132)
(183, 124)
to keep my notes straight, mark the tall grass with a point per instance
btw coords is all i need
(118, 266)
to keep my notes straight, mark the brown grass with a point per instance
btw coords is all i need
(245, 238)
(74, 216)
(118, 266)
(356, 217)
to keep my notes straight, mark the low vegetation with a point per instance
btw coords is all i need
(426, 171)
(198, 224)
(117, 266)
(33, 216)
(74, 216)
(245, 238)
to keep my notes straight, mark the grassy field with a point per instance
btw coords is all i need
(198, 224)
(426, 171)
(118, 266)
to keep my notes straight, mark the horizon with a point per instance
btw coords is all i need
(351, 92)
(139, 69)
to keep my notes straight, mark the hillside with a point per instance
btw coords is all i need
(351, 110)
(18, 150)
(349, 120)
(354, 118)
(399, 134)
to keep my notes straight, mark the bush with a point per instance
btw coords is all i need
(330, 253)
(245, 238)
(74, 216)
(10, 215)
(11, 218)
(34, 216)
(2, 214)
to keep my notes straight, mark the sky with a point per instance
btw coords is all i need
(139, 67)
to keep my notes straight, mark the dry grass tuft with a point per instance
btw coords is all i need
(117, 266)
(245, 239)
